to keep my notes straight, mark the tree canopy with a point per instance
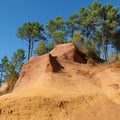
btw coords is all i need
(13, 66)
(96, 23)
(31, 32)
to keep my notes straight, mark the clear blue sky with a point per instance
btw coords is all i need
(14, 13)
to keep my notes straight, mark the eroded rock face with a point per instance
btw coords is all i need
(69, 52)
(53, 64)
(58, 86)
(50, 63)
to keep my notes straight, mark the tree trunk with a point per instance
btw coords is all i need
(87, 32)
(93, 33)
(29, 49)
(104, 47)
(72, 33)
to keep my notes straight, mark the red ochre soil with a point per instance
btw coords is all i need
(60, 85)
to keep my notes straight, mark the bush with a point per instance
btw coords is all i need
(116, 61)
(117, 58)
(117, 64)
(91, 61)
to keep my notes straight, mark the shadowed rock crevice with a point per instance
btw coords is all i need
(53, 65)
(52, 62)
(79, 56)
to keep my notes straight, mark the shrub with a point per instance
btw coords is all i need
(91, 61)
(117, 58)
(117, 64)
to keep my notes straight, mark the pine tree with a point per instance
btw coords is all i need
(94, 12)
(84, 22)
(108, 22)
(31, 32)
(13, 66)
(72, 24)
(56, 30)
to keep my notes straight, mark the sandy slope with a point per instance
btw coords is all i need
(60, 86)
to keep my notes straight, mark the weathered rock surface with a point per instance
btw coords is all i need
(61, 86)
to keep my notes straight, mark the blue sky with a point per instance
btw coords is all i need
(14, 13)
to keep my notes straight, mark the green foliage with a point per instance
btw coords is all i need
(42, 48)
(109, 23)
(91, 61)
(12, 67)
(92, 29)
(91, 52)
(117, 64)
(5, 64)
(0, 82)
(84, 21)
(116, 40)
(49, 47)
(17, 59)
(117, 58)
(95, 22)
(12, 77)
(58, 37)
(78, 40)
(56, 30)
(117, 61)
(30, 32)
(89, 48)
(72, 24)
